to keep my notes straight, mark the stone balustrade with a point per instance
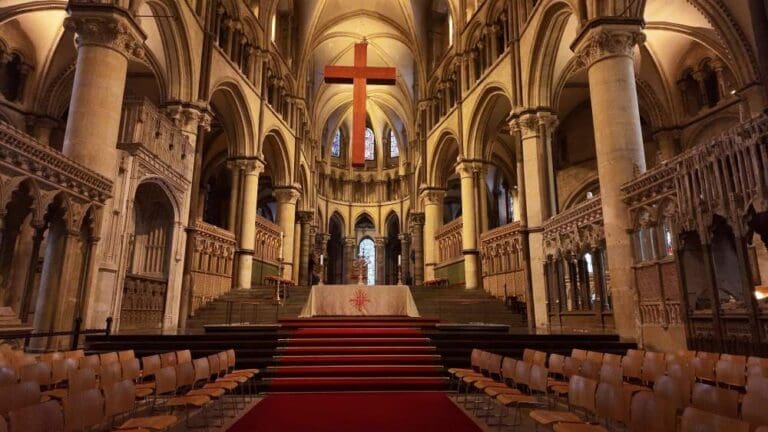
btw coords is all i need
(212, 262)
(267, 241)
(449, 242)
(501, 254)
(22, 157)
(144, 128)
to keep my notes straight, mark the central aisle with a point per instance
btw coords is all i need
(355, 412)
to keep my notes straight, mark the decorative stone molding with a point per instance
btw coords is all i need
(304, 217)
(432, 196)
(575, 230)
(107, 27)
(249, 165)
(607, 41)
(287, 194)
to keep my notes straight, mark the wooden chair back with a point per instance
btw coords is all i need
(557, 364)
(131, 369)
(579, 354)
(183, 356)
(165, 380)
(75, 354)
(731, 373)
(39, 372)
(648, 413)
(474, 358)
(185, 375)
(528, 354)
(126, 355)
(508, 368)
(90, 362)
(41, 417)
(8, 376)
(609, 402)
(83, 410)
(713, 357)
(110, 373)
(168, 359)
(202, 370)
(213, 362)
(150, 365)
(540, 358)
(612, 359)
(735, 358)
(523, 373)
(672, 391)
(703, 368)
(60, 369)
(716, 400)
(758, 385)
(109, 357)
(697, 420)
(632, 365)
(595, 356)
(590, 369)
(572, 366)
(611, 373)
(19, 395)
(653, 367)
(119, 398)
(581, 393)
(81, 380)
(538, 379)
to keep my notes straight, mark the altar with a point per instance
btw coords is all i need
(359, 300)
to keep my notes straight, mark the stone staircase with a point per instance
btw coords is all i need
(252, 306)
(450, 305)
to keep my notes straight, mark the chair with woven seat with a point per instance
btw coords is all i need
(120, 403)
(41, 417)
(649, 413)
(581, 396)
(724, 402)
(697, 420)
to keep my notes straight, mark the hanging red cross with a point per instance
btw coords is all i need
(359, 75)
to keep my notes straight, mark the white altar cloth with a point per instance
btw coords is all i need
(359, 300)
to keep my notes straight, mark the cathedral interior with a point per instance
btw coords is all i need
(587, 166)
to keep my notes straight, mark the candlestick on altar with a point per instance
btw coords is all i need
(280, 249)
(322, 271)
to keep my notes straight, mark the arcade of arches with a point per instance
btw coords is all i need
(602, 162)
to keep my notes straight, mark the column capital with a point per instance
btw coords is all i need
(404, 238)
(432, 196)
(467, 167)
(529, 123)
(287, 194)
(604, 39)
(350, 241)
(108, 27)
(305, 217)
(379, 242)
(417, 218)
(249, 165)
(188, 116)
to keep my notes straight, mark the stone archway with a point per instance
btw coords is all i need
(146, 280)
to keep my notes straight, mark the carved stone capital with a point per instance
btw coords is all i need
(607, 41)
(417, 218)
(287, 194)
(249, 166)
(107, 27)
(433, 196)
(467, 168)
(304, 217)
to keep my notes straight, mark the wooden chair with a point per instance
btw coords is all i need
(39, 373)
(538, 377)
(557, 365)
(590, 369)
(90, 362)
(149, 366)
(110, 373)
(753, 409)
(697, 420)
(168, 359)
(16, 396)
(685, 377)
(631, 366)
(704, 369)
(75, 354)
(581, 396)
(713, 357)
(474, 358)
(183, 356)
(735, 358)
(724, 402)
(83, 410)
(758, 385)
(609, 408)
(611, 373)
(672, 392)
(8, 376)
(508, 369)
(51, 357)
(653, 367)
(730, 373)
(540, 358)
(126, 355)
(635, 353)
(77, 380)
(185, 381)
(120, 401)
(60, 370)
(572, 366)
(41, 417)
(579, 354)
(595, 356)
(528, 355)
(109, 357)
(613, 359)
(232, 359)
(649, 413)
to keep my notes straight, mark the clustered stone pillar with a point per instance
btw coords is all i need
(349, 257)
(607, 51)
(405, 252)
(246, 241)
(305, 218)
(466, 170)
(287, 196)
(533, 129)
(380, 243)
(417, 236)
(433, 219)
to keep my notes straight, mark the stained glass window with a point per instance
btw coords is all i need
(370, 148)
(394, 151)
(336, 144)
(368, 251)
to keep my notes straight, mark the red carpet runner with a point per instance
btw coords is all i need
(355, 355)
(356, 412)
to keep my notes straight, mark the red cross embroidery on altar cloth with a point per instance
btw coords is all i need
(360, 299)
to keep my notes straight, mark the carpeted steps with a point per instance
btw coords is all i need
(374, 355)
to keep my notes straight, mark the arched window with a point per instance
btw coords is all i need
(370, 141)
(394, 151)
(368, 252)
(336, 144)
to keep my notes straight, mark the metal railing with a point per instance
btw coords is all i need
(74, 334)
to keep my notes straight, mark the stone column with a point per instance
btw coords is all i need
(405, 252)
(532, 130)
(287, 196)
(466, 171)
(305, 276)
(297, 234)
(482, 192)
(417, 237)
(381, 252)
(349, 256)
(106, 38)
(234, 198)
(433, 220)
(607, 51)
(246, 240)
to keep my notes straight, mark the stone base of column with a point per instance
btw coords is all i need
(471, 270)
(244, 270)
